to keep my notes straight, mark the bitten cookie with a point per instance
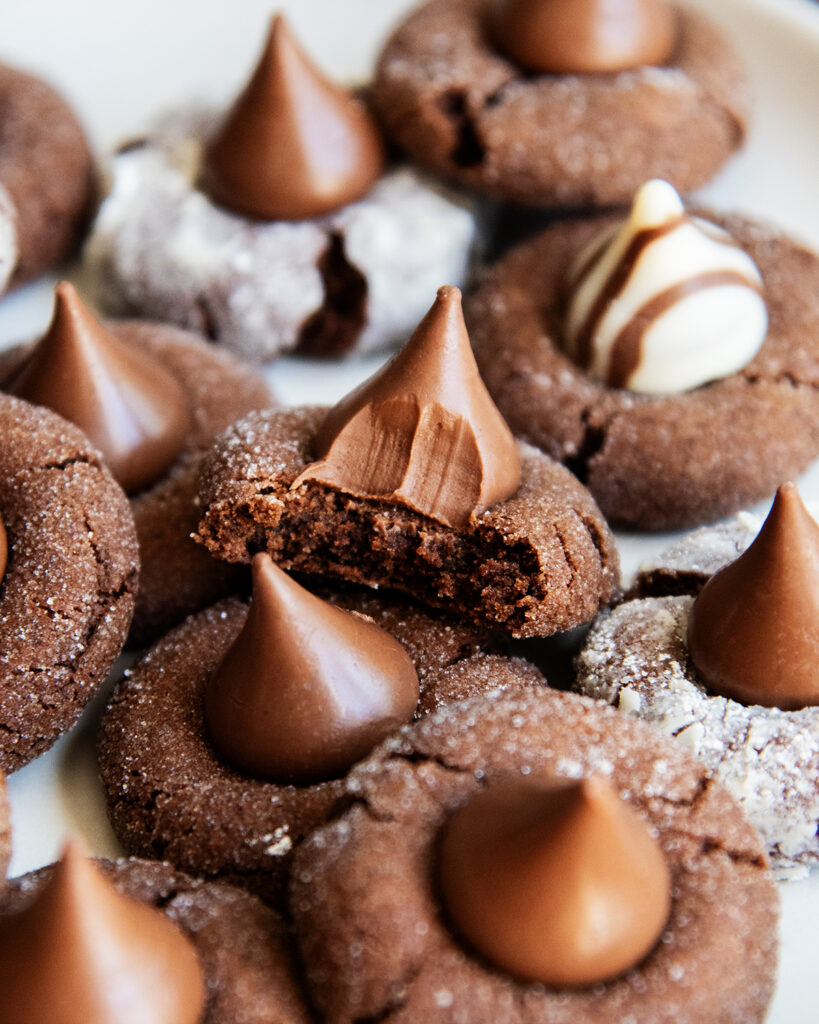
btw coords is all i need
(47, 180)
(269, 234)
(366, 889)
(658, 460)
(67, 596)
(240, 946)
(461, 105)
(152, 397)
(746, 705)
(171, 791)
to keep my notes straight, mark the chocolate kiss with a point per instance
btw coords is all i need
(422, 431)
(555, 880)
(4, 550)
(307, 689)
(753, 632)
(130, 407)
(294, 145)
(583, 36)
(82, 953)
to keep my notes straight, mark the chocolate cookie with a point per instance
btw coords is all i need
(746, 705)
(366, 906)
(215, 388)
(5, 829)
(47, 180)
(67, 597)
(170, 794)
(276, 226)
(459, 107)
(655, 461)
(540, 562)
(242, 945)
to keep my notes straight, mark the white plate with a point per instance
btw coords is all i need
(121, 63)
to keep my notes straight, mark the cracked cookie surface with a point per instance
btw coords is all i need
(538, 563)
(637, 658)
(170, 795)
(655, 462)
(67, 597)
(376, 945)
(243, 946)
(458, 107)
(356, 280)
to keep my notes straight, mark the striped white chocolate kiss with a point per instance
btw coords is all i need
(664, 302)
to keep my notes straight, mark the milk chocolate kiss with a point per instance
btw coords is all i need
(130, 407)
(81, 953)
(554, 880)
(753, 632)
(294, 145)
(422, 431)
(307, 689)
(583, 36)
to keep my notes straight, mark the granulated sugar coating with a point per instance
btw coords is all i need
(68, 593)
(363, 894)
(356, 280)
(169, 794)
(460, 108)
(539, 562)
(243, 946)
(637, 658)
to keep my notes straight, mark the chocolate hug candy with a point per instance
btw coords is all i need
(665, 301)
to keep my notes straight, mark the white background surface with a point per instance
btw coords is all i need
(122, 61)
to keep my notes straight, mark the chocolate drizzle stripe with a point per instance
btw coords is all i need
(592, 259)
(616, 282)
(626, 351)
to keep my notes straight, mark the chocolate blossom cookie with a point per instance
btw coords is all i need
(151, 397)
(277, 226)
(540, 812)
(719, 651)
(130, 940)
(229, 741)
(47, 178)
(539, 102)
(669, 360)
(67, 594)
(414, 481)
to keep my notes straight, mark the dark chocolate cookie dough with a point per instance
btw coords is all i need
(67, 597)
(461, 109)
(537, 563)
(365, 905)
(47, 180)
(170, 795)
(655, 462)
(243, 946)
